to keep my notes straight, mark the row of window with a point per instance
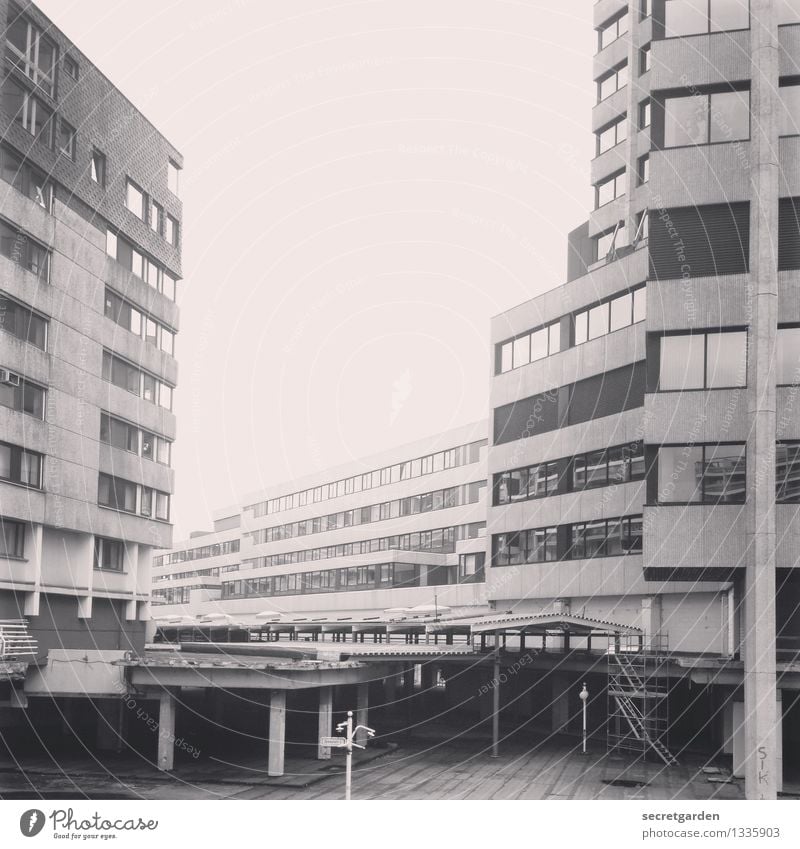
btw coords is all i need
(19, 394)
(22, 322)
(140, 324)
(611, 30)
(618, 464)
(108, 553)
(179, 576)
(121, 434)
(200, 553)
(20, 466)
(576, 541)
(614, 313)
(441, 541)
(24, 250)
(129, 497)
(174, 595)
(142, 266)
(452, 458)
(440, 499)
(152, 213)
(136, 381)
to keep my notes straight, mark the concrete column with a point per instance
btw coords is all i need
(496, 701)
(277, 732)
(325, 728)
(166, 730)
(34, 547)
(651, 616)
(560, 683)
(110, 719)
(362, 711)
(761, 749)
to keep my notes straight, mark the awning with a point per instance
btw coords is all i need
(543, 623)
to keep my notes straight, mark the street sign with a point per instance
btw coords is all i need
(332, 742)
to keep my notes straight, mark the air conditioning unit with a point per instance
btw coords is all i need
(9, 377)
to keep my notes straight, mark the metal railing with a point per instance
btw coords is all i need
(15, 641)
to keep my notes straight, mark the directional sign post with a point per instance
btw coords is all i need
(347, 743)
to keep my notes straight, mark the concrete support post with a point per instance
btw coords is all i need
(761, 749)
(166, 730)
(325, 728)
(651, 617)
(362, 711)
(496, 701)
(560, 683)
(277, 732)
(390, 690)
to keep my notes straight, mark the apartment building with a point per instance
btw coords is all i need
(399, 530)
(90, 254)
(644, 441)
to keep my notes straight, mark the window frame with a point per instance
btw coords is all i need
(703, 500)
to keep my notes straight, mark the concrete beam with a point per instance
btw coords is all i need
(277, 732)
(166, 730)
(325, 728)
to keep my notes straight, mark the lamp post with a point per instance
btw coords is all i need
(584, 697)
(347, 742)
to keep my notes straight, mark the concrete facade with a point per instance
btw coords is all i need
(78, 570)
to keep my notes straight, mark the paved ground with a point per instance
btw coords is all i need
(416, 769)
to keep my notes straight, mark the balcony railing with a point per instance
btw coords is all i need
(15, 641)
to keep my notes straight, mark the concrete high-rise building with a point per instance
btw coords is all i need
(646, 441)
(90, 255)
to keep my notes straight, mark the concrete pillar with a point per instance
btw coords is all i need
(560, 683)
(390, 690)
(277, 732)
(362, 711)
(110, 719)
(496, 701)
(651, 617)
(166, 730)
(761, 749)
(325, 728)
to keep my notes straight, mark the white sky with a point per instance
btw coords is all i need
(366, 184)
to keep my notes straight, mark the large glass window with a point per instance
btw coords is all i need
(612, 135)
(24, 177)
(694, 17)
(12, 538)
(612, 82)
(703, 361)
(610, 31)
(788, 356)
(702, 474)
(23, 396)
(621, 311)
(17, 245)
(28, 111)
(23, 322)
(30, 51)
(530, 347)
(17, 465)
(606, 538)
(787, 472)
(788, 12)
(610, 189)
(706, 118)
(108, 554)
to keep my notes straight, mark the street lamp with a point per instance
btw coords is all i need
(347, 742)
(584, 697)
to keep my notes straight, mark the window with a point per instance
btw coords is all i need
(25, 178)
(606, 243)
(706, 118)
(790, 107)
(611, 31)
(529, 347)
(171, 232)
(612, 82)
(524, 484)
(156, 217)
(702, 474)
(610, 189)
(119, 434)
(20, 466)
(787, 472)
(98, 168)
(28, 111)
(116, 493)
(533, 546)
(18, 246)
(71, 67)
(645, 57)
(645, 112)
(619, 464)
(24, 397)
(621, 311)
(20, 321)
(143, 267)
(121, 374)
(606, 538)
(135, 200)
(643, 169)
(612, 135)
(694, 17)
(12, 538)
(787, 366)
(173, 175)
(30, 51)
(714, 360)
(108, 554)
(66, 139)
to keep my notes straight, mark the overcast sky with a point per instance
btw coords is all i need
(366, 184)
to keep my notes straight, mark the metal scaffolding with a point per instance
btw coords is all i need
(638, 696)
